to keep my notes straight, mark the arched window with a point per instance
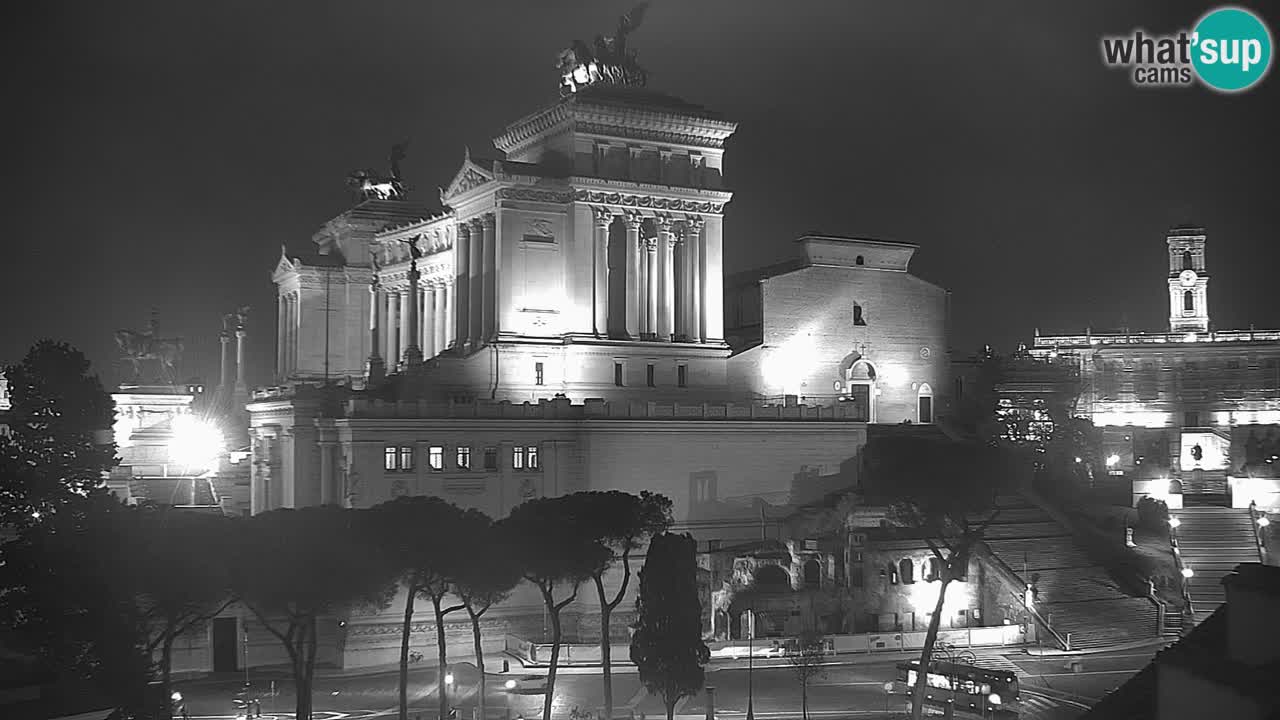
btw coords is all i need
(857, 315)
(934, 571)
(859, 261)
(1186, 260)
(771, 578)
(907, 571)
(812, 574)
(1188, 301)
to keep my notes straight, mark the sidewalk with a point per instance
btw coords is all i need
(1136, 645)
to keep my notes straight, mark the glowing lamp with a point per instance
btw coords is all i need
(994, 699)
(1263, 521)
(1113, 460)
(888, 687)
(195, 443)
(448, 678)
(986, 689)
(176, 696)
(510, 684)
(1174, 522)
(1187, 572)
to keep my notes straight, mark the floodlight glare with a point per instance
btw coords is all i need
(195, 444)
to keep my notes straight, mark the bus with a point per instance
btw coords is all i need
(969, 687)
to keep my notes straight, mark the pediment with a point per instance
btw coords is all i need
(284, 266)
(469, 177)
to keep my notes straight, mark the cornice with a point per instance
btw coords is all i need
(668, 191)
(656, 124)
(648, 202)
(530, 194)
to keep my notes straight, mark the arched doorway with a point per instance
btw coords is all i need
(860, 388)
(924, 404)
(812, 574)
(771, 578)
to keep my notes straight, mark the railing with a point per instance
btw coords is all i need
(1049, 342)
(598, 409)
(1012, 577)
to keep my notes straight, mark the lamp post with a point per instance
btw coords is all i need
(750, 664)
(888, 690)
(448, 682)
(510, 686)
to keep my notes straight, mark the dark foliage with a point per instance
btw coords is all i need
(667, 646)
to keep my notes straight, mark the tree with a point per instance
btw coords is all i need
(294, 566)
(179, 574)
(805, 655)
(66, 600)
(620, 522)
(667, 646)
(553, 551)
(486, 579)
(945, 492)
(421, 536)
(60, 444)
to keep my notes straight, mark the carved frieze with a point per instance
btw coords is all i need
(651, 134)
(648, 202)
(539, 227)
(560, 197)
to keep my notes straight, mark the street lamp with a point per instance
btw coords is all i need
(510, 686)
(888, 690)
(448, 683)
(1187, 572)
(1174, 523)
(751, 654)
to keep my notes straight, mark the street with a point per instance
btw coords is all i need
(1050, 689)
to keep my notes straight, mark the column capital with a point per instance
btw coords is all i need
(650, 244)
(603, 216)
(489, 221)
(664, 223)
(634, 220)
(463, 228)
(694, 223)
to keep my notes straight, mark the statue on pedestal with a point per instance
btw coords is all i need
(370, 185)
(608, 62)
(138, 347)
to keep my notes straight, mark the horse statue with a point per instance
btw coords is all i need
(136, 347)
(372, 186)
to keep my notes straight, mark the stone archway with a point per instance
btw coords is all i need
(771, 578)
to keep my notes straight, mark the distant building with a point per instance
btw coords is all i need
(559, 325)
(1191, 411)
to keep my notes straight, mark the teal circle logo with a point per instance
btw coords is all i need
(1231, 49)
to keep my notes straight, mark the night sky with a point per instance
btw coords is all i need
(165, 150)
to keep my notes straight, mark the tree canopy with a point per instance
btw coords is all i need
(667, 646)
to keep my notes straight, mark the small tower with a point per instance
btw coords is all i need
(1188, 281)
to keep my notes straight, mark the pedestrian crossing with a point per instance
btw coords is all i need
(996, 662)
(1037, 706)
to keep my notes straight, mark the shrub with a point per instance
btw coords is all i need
(1153, 514)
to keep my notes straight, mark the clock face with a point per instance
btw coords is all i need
(1187, 278)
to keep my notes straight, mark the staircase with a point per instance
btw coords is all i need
(1213, 541)
(1075, 595)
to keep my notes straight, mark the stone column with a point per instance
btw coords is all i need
(475, 284)
(281, 343)
(328, 484)
(450, 316)
(242, 386)
(462, 286)
(429, 320)
(412, 321)
(376, 369)
(693, 240)
(291, 337)
(389, 327)
(224, 379)
(489, 277)
(666, 279)
(600, 271)
(651, 293)
(634, 298)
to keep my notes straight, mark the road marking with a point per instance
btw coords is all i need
(1050, 698)
(877, 683)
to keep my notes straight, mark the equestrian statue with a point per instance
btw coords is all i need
(139, 347)
(370, 185)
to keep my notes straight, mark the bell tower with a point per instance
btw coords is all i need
(1188, 281)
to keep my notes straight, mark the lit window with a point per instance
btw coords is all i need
(464, 457)
(406, 459)
(517, 458)
(491, 458)
(531, 457)
(537, 374)
(617, 374)
(435, 457)
(389, 458)
(682, 375)
(648, 374)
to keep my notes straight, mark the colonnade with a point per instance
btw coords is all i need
(287, 334)
(665, 278)
(395, 310)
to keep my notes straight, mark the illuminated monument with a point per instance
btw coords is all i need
(1193, 413)
(558, 324)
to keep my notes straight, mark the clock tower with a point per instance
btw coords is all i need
(1188, 281)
